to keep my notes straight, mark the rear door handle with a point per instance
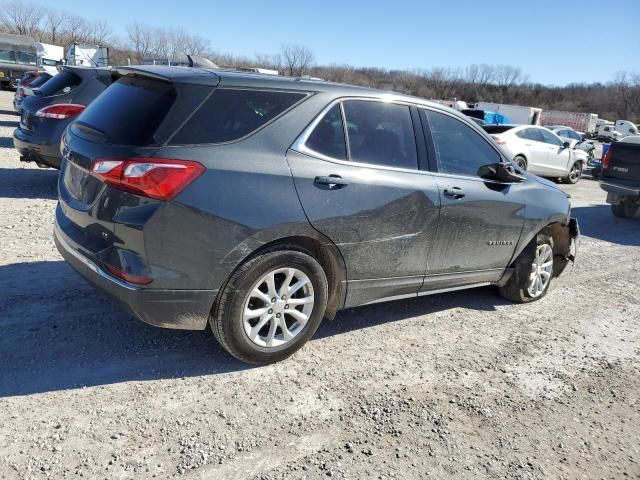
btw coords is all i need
(454, 192)
(332, 182)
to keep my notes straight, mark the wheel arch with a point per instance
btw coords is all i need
(559, 231)
(321, 249)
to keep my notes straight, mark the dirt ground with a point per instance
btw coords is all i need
(460, 385)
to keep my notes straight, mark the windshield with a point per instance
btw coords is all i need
(27, 58)
(7, 56)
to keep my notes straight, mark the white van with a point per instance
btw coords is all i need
(625, 127)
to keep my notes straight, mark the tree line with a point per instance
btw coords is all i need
(616, 99)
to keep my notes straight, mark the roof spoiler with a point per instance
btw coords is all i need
(195, 76)
(196, 61)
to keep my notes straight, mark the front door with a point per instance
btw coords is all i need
(480, 220)
(558, 157)
(368, 196)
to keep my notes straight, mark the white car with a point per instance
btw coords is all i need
(540, 151)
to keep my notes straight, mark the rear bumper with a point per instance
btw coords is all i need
(34, 149)
(616, 190)
(179, 309)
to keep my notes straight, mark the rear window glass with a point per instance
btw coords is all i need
(40, 81)
(496, 128)
(61, 83)
(129, 111)
(232, 114)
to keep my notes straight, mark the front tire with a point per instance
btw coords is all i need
(625, 209)
(271, 306)
(533, 271)
(574, 174)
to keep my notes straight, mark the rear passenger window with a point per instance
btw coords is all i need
(459, 149)
(59, 84)
(327, 137)
(232, 114)
(380, 133)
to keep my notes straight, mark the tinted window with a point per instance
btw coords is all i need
(328, 136)
(62, 82)
(129, 111)
(549, 137)
(381, 133)
(459, 149)
(40, 81)
(232, 114)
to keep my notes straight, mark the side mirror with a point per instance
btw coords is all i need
(566, 145)
(501, 171)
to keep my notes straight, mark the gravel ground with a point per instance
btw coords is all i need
(452, 386)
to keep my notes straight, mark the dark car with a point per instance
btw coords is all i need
(27, 88)
(260, 205)
(620, 176)
(47, 112)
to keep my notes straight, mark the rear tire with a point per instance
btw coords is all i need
(244, 319)
(625, 209)
(534, 259)
(521, 162)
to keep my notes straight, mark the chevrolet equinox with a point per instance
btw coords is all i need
(260, 205)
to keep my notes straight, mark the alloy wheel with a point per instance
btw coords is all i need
(278, 307)
(576, 172)
(541, 270)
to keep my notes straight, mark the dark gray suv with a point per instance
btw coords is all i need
(260, 205)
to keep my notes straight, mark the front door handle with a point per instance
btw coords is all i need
(454, 192)
(332, 182)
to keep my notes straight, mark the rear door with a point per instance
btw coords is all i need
(361, 186)
(535, 150)
(480, 220)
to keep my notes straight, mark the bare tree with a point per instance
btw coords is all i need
(98, 32)
(296, 58)
(21, 18)
(54, 21)
(140, 39)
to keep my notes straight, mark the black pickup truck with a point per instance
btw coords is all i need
(621, 176)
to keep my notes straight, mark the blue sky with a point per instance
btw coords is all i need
(554, 42)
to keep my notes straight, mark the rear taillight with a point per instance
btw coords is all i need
(60, 111)
(606, 159)
(127, 277)
(158, 178)
(498, 140)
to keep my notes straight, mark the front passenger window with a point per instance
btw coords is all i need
(459, 149)
(550, 138)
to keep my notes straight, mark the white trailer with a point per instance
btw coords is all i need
(516, 114)
(49, 57)
(86, 55)
(581, 122)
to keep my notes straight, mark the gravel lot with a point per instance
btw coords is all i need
(457, 385)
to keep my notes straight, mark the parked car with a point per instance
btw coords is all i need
(575, 139)
(25, 89)
(259, 204)
(620, 176)
(540, 151)
(53, 106)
